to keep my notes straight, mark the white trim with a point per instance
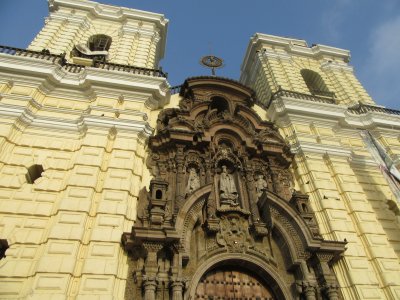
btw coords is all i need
(306, 108)
(55, 79)
(12, 113)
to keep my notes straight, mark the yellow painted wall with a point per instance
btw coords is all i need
(89, 131)
(348, 192)
(64, 230)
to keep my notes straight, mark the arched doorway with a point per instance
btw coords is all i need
(232, 283)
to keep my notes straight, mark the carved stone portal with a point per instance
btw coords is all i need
(221, 204)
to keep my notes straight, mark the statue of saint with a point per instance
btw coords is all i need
(193, 181)
(227, 189)
(261, 185)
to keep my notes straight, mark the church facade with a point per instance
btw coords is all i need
(283, 185)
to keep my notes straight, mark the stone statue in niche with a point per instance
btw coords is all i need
(261, 185)
(193, 181)
(227, 189)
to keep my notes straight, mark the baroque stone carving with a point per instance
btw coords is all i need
(234, 233)
(222, 187)
(261, 185)
(193, 181)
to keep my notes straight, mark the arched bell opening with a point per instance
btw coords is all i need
(99, 42)
(237, 276)
(97, 47)
(315, 83)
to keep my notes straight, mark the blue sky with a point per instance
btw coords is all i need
(370, 29)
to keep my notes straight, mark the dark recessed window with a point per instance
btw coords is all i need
(34, 172)
(219, 103)
(3, 248)
(158, 194)
(315, 83)
(99, 42)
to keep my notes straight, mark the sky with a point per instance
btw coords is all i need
(370, 29)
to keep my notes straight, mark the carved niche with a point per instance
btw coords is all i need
(222, 200)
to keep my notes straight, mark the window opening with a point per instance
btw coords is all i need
(96, 48)
(315, 83)
(3, 248)
(34, 172)
(99, 42)
(219, 103)
(158, 194)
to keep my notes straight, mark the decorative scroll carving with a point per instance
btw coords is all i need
(269, 135)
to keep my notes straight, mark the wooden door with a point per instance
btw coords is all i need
(231, 284)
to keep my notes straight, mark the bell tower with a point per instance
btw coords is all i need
(345, 150)
(83, 96)
(86, 30)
